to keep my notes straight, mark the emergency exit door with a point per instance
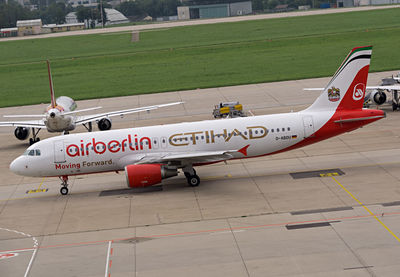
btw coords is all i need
(308, 124)
(59, 153)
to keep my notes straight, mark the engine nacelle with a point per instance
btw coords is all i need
(144, 175)
(378, 97)
(22, 133)
(104, 124)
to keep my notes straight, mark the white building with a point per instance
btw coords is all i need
(113, 17)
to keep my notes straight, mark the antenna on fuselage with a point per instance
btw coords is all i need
(53, 99)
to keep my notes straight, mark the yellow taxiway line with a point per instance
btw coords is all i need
(368, 210)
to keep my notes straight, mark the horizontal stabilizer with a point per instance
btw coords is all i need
(359, 119)
(83, 110)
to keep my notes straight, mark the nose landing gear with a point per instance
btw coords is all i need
(64, 188)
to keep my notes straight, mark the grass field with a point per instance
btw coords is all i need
(201, 56)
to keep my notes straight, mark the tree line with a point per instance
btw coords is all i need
(12, 11)
(154, 8)
(49, 11)
(54, 11)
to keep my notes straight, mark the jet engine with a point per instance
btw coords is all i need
(104, 124)
(144, 175)
(22, 133)
(378, 97)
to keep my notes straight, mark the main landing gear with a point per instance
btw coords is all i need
(395, 100)
(192, 178)
(64, 188)
(34, 139)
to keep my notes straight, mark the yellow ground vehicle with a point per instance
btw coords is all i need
(228, 109)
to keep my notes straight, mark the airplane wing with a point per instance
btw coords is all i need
(28, 124)
(193, 157)
(318, 89)
(393, 87)
(25, 115)
(89, 118)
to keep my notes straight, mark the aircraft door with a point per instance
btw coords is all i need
(308, 124)
(59, 153)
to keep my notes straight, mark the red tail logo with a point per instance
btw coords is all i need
(358, 92)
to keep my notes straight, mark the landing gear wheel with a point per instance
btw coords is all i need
(193, 180)
(33, 140)
(64, 190)
(394, 106)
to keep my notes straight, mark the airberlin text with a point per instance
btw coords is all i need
(135, 143)
(114, 146)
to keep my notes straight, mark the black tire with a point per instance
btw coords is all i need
(37, 139)
(193, 181)
(64, 190)
(31, 141)
(394, 106)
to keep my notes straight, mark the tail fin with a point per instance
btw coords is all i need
(53, 98)
(346, 89)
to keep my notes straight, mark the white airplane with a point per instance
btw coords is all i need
(150, 154)
(60, 116)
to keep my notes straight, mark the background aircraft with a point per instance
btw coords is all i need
(377, 94)
(150, 154)
(60, 116)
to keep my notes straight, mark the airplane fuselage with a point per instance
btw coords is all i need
(56, 120)
(113, 150)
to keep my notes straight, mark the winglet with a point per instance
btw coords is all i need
(244, 150)
(53, 99)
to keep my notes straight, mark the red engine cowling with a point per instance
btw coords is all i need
(144, 175)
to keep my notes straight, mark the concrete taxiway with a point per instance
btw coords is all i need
(329, 209)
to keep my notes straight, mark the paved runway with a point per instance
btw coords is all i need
(340, 216)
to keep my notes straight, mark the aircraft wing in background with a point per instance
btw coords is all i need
(27, 124)
(89, 118)
(394, 87)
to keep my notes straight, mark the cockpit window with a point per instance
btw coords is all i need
(32, 152)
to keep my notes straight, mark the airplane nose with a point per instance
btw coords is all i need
(17, 166)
